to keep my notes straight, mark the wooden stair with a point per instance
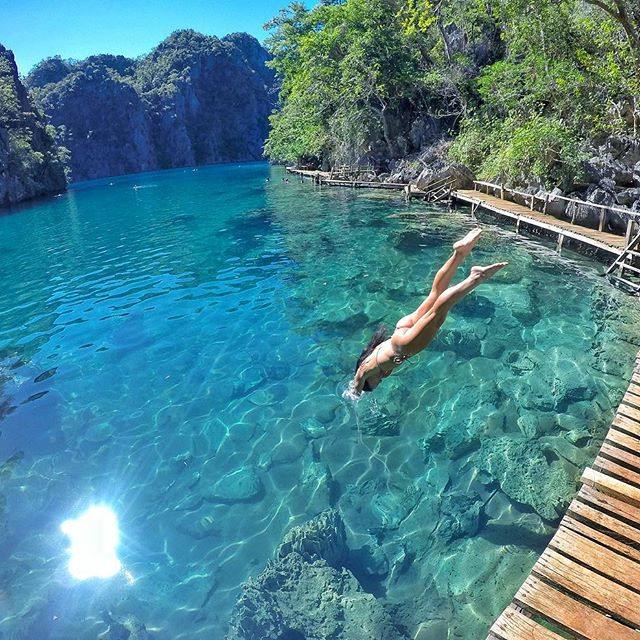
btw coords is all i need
(439, 190)
(628, 273)
(586, 584)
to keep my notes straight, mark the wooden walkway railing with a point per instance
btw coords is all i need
(587, 582)
(541, 204)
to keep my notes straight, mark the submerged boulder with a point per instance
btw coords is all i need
(521, 469)
(241, 485)
(306, 592)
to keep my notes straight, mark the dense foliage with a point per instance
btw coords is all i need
(30, 163)
(523, 86)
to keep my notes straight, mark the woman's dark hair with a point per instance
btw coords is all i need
(377, 338)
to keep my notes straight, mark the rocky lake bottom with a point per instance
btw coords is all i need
(176, 345)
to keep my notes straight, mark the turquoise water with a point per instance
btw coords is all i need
(175, 345)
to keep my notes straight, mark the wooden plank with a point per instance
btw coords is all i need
(597, 557)
(616, 436)
(613, 468)
(620, 455)
(596, 535)
(591, 586)
(611, 486)
(604, 520)
(634, 389)
(513, 625)
(632, 399)
(571, 614)
(615, 507)
(630, 412)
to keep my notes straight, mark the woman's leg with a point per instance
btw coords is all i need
(443, 278)
(422, 333)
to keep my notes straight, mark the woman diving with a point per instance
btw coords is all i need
(414, 332)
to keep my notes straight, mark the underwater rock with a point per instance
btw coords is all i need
(316, 482)
(547, 381)
(314, 428)
(467, 419)
(306, 592)
(522, 470)
(562, 448)
(464, 343)
(197, 527)
(283, 453)
(242, 485)
(534, 423)
(459, 516)
(393, 508)
(432, 630)
(127, 628)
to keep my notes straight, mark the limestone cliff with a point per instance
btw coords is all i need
(30, 163)
(195, 99)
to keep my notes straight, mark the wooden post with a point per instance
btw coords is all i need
(517, 226)
(601, 223)
(501, 191)
(560, 243)
(532, 199)
(627, 237)
(546, 203)
(574, 207)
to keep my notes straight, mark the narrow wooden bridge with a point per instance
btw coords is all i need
(587, 582)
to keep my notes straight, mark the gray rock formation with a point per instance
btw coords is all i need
(30, 163)
(195, 99)
(307, 593)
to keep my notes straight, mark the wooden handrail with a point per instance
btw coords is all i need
(548, 197)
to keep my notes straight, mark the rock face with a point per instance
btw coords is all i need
(30, 164)
(307, 592)
(195, 99)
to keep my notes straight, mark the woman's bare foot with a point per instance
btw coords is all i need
(484, 273)
(467, 243)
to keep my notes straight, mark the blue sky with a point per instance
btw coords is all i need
(36, 29)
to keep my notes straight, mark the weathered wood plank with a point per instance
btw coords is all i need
(589, 531)
(630, 412)
(589, 585)
(604, 520)
(613, 468)
(571, 614)
(513, 625)
(620, 455)
(611, 486)
(634, 389)
(619, 508)
(626, 424)
(632, 399)
(621, 439)
(596, 556)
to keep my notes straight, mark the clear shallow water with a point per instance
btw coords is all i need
(155, 339)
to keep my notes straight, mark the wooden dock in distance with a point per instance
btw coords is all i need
(586, 584)
(522, 215)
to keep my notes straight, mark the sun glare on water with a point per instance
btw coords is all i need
(94, 538)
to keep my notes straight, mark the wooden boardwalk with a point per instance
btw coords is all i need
(586, 584)
(609, 242)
